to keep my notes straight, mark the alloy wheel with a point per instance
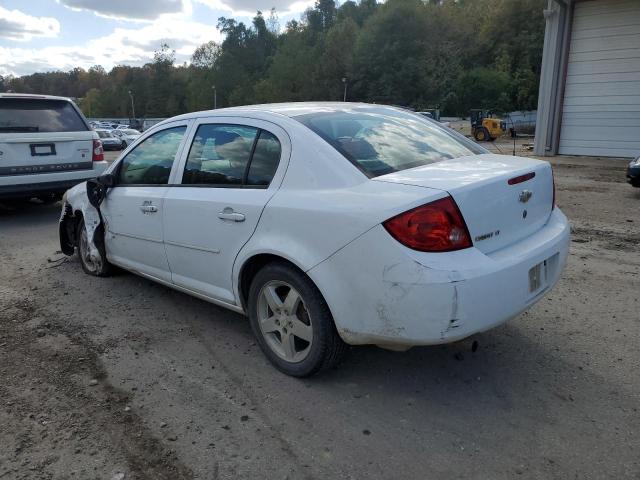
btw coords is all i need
(92, 263)
(284, 321)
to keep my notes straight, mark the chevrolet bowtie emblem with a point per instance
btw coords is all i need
(525, 196)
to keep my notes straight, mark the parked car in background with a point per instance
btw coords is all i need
(432, 117)
(46, 147)
(127, 136)
(327, 224)
(633, 173)
(109, 140)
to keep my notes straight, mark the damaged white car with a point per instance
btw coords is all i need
(327, 224)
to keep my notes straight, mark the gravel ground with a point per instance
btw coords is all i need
(120, 378)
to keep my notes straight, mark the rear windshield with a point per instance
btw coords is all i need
(104, 134)
(130, 132)
(381, 140)
(37, 115)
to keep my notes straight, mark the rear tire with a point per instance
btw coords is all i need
(123, 145)
(93, 263)
(292, 322)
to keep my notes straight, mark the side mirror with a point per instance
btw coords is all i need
(97, 188)
(108, 180)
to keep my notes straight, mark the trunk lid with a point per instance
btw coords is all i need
(38, 153)
(497, 214)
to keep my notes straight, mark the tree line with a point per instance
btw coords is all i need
(449, 54)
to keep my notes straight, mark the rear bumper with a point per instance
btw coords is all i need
(112, 146)
(383, 293)
(35, 189)
(25, 186)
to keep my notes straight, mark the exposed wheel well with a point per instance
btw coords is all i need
(252, 266)
(77, 217)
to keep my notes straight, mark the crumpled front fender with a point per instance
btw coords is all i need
(76, 202)
(66, 230)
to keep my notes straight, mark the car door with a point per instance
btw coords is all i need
(230, 171)
(132, 210)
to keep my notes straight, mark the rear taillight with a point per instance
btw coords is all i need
(521, 178)
(435, 227)
(98, 151)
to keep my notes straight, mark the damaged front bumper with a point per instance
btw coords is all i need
(380, 292)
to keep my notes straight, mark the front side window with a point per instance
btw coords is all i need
(381, 140)
(229, 155)
(151, 161)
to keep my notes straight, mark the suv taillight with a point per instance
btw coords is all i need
(98, 151)
(435, 227)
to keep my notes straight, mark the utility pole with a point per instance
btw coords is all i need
(133, 109)
(344, 80)
(215, 97)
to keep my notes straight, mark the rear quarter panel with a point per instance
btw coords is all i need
(324, 203)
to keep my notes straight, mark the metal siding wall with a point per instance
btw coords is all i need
(601, 109)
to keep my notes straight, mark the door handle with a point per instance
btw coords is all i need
(148, 208)
(231, 215)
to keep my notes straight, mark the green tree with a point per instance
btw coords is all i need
(452, 54)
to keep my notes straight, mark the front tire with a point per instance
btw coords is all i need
(481, 134)
(292, 322)
(95, 262)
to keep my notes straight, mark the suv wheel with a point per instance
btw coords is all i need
(292, 322)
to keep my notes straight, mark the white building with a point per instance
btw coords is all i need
(590, 82)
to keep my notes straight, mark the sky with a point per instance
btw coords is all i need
(46, 35)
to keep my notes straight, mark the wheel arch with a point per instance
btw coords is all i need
(67, 230)
(252, 264)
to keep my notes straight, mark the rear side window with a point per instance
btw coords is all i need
(382, 140)
(25, 115)
(232, 155)
(219, 155)
(265, 160)
(151, 161)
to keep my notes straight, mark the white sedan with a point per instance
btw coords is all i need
(327, 224)
(126, 135)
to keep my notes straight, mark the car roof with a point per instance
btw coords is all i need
(33, 96)
(290, 109)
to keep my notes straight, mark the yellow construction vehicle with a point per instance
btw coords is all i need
(484, 127)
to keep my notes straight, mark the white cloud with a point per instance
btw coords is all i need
(124, 46)
(248, 8)
(16, 25)
(128, 9)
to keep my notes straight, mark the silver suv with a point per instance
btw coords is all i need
(46, 147)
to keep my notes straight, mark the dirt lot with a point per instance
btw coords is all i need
(120, 378)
